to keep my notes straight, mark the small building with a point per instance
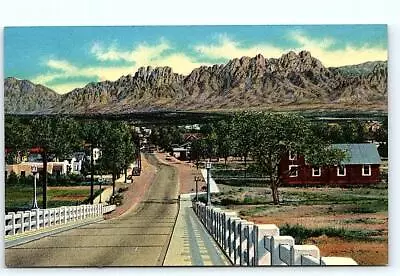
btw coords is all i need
(361, 167)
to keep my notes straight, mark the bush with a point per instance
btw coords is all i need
(301, 233)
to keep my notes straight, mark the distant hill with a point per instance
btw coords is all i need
(22, 96)
(291, 81)
(359, 70)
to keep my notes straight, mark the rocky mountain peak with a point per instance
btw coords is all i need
(292, 79)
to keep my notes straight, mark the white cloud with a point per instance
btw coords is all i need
(63, 88)
(64, 70)
(319, 48)
(162, 54)
(338, 57)
(142, 55)
(229, 49)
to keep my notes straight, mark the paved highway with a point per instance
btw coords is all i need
(138, 238)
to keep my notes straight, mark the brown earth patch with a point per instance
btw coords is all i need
(364, 253)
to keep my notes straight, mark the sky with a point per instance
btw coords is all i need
(64, 58)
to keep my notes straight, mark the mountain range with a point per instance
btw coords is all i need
(293, 81)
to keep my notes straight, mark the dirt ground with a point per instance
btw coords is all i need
(363, 252)
(333, 214)
(136, 190)
(187, 172)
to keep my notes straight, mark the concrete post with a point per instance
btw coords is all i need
(57, 216)
(51, 217)
(216, 212)
(21, 221)
(337, 261)
(13, 229)
(37, 218)
(274, 244)
(232, 236)
(251, 240)
(226, 229)
(245, 245)
(298, 250)
(262, 250)
(308, 260)
(285, 253)
(236, 243)
(206, 217)
(65, 214)
(29, 220)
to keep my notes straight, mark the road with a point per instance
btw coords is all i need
(138, 238)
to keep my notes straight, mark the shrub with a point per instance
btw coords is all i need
(301, 233)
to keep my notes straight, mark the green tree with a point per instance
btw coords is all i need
(276, 135)
(243, 127)
(52, 135)
(198, 151)
(91, 135)
(114, 147)
(223, 131)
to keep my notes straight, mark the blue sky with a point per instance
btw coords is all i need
(64, 58)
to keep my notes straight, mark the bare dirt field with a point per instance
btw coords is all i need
(355, 220)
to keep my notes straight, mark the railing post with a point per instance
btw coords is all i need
(244, 254)
(262, 250)
(21, 221)
(298, 250)
(337, 261)
(13, 229)
(29, 220)
(274, 243)
(232, 237)
(65, 214)
(37, 218)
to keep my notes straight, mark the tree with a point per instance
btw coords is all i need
(91, 133)
(16, 133)
(243, 127)
(223, 131)
(114, 147)
(51, 135)
(128, 148)
(198, 151)
(275, 135)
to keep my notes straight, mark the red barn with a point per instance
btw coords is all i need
(361, 167)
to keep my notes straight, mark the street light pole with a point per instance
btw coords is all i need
(197, 179)
(34, 172)
(208, 167)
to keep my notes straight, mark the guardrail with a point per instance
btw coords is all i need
(249, 244)
(36, 219)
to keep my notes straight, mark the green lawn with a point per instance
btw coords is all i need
(20, 197)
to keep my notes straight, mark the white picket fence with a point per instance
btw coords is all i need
(249, 244)
(36, 219)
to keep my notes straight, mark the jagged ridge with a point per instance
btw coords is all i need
(292, 79)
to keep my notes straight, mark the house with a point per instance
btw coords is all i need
(182, 152)
(361, 167)
(25, 168)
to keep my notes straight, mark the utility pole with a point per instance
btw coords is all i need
(208, 167)
(34, 172)
(197, 179)
(91, 174)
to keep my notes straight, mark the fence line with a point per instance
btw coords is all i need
(249, 244)
(36, 219)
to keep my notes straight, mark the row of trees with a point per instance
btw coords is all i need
(60, 136)
(268, 137)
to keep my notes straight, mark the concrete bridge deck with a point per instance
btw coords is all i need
(191, 245)
(137, 238)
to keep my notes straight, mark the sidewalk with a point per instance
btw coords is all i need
(190, 244)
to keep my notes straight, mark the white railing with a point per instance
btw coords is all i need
(249, 244)
(35, 219)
